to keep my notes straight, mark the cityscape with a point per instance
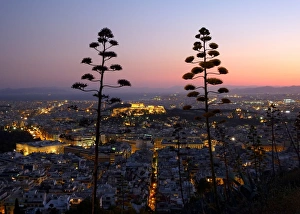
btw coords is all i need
(138, 159)
(149, 107)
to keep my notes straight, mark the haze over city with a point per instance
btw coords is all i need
(43, 42)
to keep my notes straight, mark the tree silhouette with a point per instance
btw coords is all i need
(297, 145)
(8, 139)
(206, 53)
(38, 211)
(257, 153)
(177, 133)
(273, 114)
(102, 47)
(17, 209)
(224, 153)
(294, 138)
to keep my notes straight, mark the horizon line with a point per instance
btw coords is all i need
(148, 87)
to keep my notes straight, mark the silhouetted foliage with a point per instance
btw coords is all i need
(38, 212)
(273, 114)
(178, 136)
(85, 122)
(283, 193)
(295, 140)
(257, 153)
(202, 186)
(8, 139)
(17, 209)
(205, 60)
(103, 45)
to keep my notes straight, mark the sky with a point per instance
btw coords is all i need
(42, 43)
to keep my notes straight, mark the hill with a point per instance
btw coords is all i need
(131, 93)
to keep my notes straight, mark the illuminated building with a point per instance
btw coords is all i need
(41, 146)
(268, 148)
(89, 154)
(288, 101)
(137, 109)
(191, 142)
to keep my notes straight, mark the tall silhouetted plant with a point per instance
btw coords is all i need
(257, 153)
(206, 60)
(273, 114)
(296, 138)
(297, 144)
(102, 47)
(17, 209)
(224, 152)
(177, 133)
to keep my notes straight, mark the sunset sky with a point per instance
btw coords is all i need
(43, 42)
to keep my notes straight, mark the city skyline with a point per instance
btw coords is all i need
(43, 43)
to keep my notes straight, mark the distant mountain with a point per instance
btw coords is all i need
(127, 93)
(39, 93)
(52, 93)
(56, 93)
(267, 90)
(33, 90)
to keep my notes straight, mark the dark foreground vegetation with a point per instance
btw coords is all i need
(279, 195)
(8, 139)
